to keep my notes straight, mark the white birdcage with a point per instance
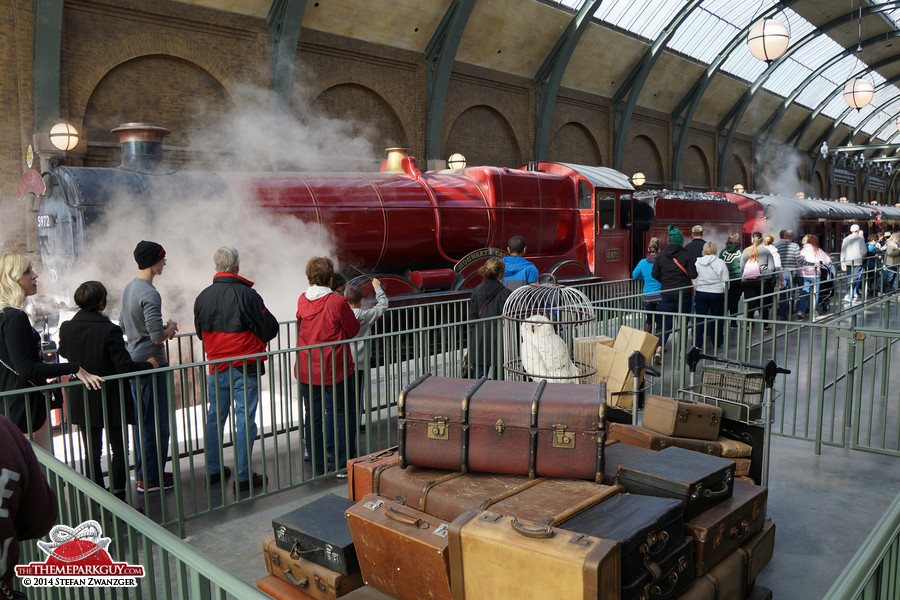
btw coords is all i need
(541, 322)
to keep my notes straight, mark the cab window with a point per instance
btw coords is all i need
(584, 196)
(606, 211)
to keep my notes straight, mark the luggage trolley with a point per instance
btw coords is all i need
(746, 394)
(639, 368)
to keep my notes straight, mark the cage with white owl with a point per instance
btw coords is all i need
(540, 324)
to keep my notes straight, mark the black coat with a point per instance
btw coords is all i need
(668, 274)
(694, 249)
(487, 300)
(97, 344)
(20, 351)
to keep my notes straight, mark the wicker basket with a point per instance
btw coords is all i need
(732, 383)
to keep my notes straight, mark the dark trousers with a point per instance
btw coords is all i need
(734, 296)
(673, 302)
(92, 437)
(330, 409)
(752, 289)
(707, 303)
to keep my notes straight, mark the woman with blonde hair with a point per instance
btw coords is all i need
(21, 362)
(709, 294)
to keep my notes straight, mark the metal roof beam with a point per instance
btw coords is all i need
(633, 84)
(440, 55)
(48, 18)
(549, 77)
(285, 18)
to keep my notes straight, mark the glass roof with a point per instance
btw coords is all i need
(712, 26)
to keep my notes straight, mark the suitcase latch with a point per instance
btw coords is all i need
(684, 414)
(713, 419)
(562, 439)
(500, 426)
(438, 430)
(374, 504)
(441, 530)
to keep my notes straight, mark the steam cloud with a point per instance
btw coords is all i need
(190, 226)
(781, 177)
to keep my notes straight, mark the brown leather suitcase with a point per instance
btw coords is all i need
(742, 467)
(681, 418)
(699, 481)
(280, 589)
(494, 557)
(720, 530)
(316, 581)
(635, 435)
(402, 551)
(758, 550)
(728, 577)
(362, 471)
(448, 494)
(510, 427)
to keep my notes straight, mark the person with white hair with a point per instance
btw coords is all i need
(853, 251)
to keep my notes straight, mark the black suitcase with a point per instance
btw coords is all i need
(700, 481)
(318, 532)
(617, 454)
(672, 576)
(648, 530)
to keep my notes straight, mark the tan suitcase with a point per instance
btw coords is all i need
(280, 589)
(758, 550)
(493, 557)
(314, 580)
(402, 551)
(682, 418)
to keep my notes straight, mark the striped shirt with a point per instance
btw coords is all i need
(789, 253)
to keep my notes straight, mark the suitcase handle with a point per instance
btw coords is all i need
(300, 583)
(390, 513)
(717, 493)
(538, 532)
(657, 591)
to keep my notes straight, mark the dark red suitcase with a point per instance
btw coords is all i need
(700, 481)
(363, 471)
(720, 530)
(635, 435)
(648, 530)
(447, 494)
(281, 590)
(511, 427)
(402, 551)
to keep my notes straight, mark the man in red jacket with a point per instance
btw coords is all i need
(233, 321)
(326, 373)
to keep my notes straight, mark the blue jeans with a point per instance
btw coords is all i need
(786, 296)
(222, 387)
(332, 408)
(678, 301)
(857, 272)
(151, 431)
(707, 303)
(890, 278)
(803, 302)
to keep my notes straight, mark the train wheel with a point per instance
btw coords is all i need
(393, 285)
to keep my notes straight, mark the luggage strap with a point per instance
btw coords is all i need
(511, 492)
(427, 487)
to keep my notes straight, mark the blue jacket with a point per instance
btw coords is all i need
(519, 272)
(651, 286)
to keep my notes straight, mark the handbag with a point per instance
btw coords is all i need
(56, 394)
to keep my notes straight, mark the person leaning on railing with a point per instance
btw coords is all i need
(92, 340)
(891, 262)
(21, 361)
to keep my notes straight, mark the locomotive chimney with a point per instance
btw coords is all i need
(141, 147)
(393, 164)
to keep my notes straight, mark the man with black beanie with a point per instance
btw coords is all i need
(141, 319)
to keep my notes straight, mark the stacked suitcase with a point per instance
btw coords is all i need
(448, 515)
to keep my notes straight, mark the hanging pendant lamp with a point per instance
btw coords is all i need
(768, 39)
(858, 92)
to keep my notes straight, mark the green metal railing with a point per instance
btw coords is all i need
(172, 568)
(874, 571)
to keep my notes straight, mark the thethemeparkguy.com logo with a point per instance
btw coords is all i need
(78, 558)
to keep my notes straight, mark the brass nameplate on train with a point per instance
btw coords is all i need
(613, 254)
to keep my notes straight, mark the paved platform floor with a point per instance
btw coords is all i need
(823, 508)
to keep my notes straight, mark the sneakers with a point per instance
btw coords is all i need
(215, 478)
(801, 316)
(342, 475)
(167, 484)
(257, 479)
(657, 359)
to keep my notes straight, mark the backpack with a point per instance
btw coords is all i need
(751, 269)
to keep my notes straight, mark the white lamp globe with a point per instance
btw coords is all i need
(63, 136)
(858, 92)
(768, 39)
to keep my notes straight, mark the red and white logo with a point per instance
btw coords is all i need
(78, 558)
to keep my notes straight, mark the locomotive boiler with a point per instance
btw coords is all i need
(416, 231)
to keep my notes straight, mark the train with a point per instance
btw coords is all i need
(426, 232)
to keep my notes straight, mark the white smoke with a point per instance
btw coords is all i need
(781, 176)
(274, 247)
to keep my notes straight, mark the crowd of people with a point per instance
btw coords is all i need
(235, 326)
(782, 276)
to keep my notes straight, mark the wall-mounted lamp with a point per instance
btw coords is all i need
(843, 199)
(638, 179)
(824, 150)
(64, 136)
(801, 195)
(456, 161)
(738, 188)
